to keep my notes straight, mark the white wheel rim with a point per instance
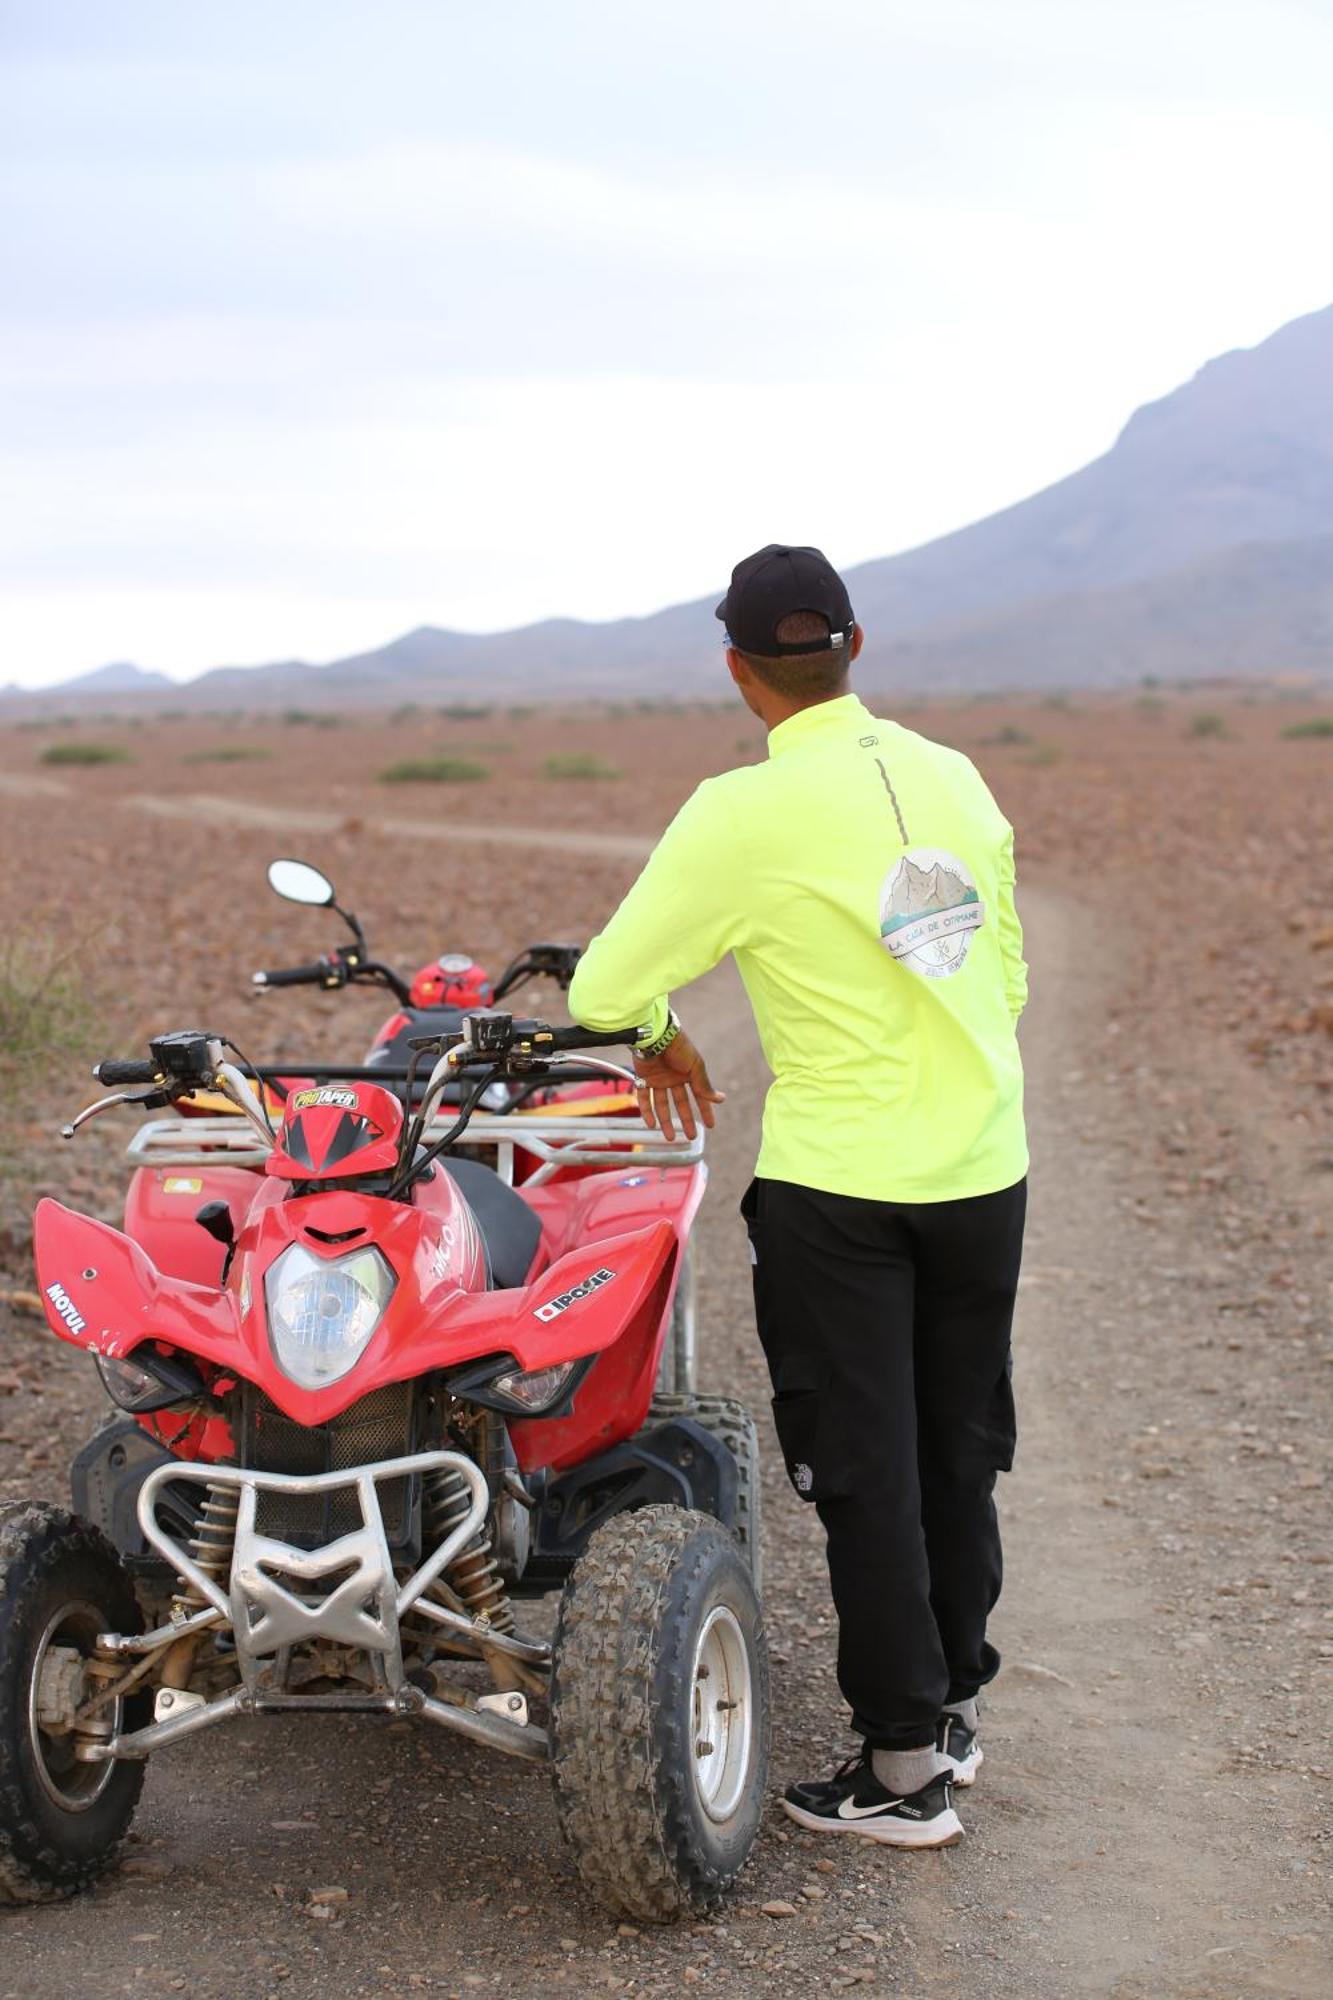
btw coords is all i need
(71, 1784)
(722, 1714)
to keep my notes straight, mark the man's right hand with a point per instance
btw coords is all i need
(671, 1085)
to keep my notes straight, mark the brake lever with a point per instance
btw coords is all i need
(148, 1100)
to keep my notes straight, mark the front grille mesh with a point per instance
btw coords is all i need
(379, 1426)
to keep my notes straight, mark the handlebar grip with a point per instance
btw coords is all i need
(590, 1038)
(292, 975)
(136, 1069)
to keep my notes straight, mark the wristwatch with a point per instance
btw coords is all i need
(664, 1040)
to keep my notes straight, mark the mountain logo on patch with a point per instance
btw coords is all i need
(928, 910)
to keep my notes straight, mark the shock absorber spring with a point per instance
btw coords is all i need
(211, 1547)
(474, 1574)
(213, 1541)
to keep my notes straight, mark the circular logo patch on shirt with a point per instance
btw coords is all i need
(928, 910)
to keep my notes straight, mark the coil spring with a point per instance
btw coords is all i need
(213, 1541)
(474, 1574)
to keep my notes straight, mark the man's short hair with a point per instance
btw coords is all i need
(800, 676)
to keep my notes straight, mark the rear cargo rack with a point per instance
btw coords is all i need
(609, 1142)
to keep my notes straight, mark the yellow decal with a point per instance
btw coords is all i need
(173, 1184)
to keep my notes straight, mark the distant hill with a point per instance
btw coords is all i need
(121, 677)
(1201, 544)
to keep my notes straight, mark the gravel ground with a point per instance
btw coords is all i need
(1146, 1825)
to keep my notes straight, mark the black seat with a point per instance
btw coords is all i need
(509, 1229)
(395, 1054)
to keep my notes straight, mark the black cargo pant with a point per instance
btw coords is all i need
(886, 1329)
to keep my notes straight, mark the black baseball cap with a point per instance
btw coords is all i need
(772, 583)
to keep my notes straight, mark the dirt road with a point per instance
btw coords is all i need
(1145, 1825)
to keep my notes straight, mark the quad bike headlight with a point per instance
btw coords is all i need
(322, 1311)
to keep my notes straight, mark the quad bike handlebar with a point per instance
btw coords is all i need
(293, 975)
(490, 1045)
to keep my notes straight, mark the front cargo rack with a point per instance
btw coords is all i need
(606, 1141)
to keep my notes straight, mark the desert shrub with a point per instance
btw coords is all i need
(1056, 701)
(45, 1007)
(228, 753)
(578, 764)
(85, 753)
(462, 711)
(1208, 724)
(405, 711)
(312, 718)
(1042, 754)
(1150, 704)
(433, 771)
(520, 712)
(1318, 725)
(1009, 735)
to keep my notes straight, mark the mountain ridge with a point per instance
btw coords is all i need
(1199, 545)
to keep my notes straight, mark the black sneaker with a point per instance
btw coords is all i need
(854, 1801)
(959, 1744)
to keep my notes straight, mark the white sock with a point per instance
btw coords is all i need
(906, 1771)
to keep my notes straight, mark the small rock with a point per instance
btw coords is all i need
(779, 1909)
(334, 1895)
(145, 1868)
(1029, 1670)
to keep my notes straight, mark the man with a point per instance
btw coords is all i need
(863, 880)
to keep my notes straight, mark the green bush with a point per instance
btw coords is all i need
(1208, 724)
(312, 718)
(462, 711)
(85, 753)
(1318, 725)
(578, 764)
(433, 771)
(228, 753)
(1009, 735)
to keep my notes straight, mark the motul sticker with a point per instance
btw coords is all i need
(66, 1308)
(308, 1100)
(564, 1300)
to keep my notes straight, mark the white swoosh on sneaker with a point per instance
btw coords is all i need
(849, 1810)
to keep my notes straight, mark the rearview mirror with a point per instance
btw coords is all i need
(300, 883)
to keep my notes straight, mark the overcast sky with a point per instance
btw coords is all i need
(326, 319)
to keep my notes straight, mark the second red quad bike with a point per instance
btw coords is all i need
(376, 1395)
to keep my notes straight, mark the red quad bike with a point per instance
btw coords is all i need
(405, 1395)
(434, 1002)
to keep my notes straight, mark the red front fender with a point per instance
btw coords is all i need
(101, 1292)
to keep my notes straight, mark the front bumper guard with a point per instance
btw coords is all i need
(364, 1608)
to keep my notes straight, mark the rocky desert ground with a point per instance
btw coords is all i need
(1152, 1819)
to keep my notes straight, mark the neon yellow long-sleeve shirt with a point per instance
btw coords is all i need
(863, 879)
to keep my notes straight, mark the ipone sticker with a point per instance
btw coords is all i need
(564, 1300)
